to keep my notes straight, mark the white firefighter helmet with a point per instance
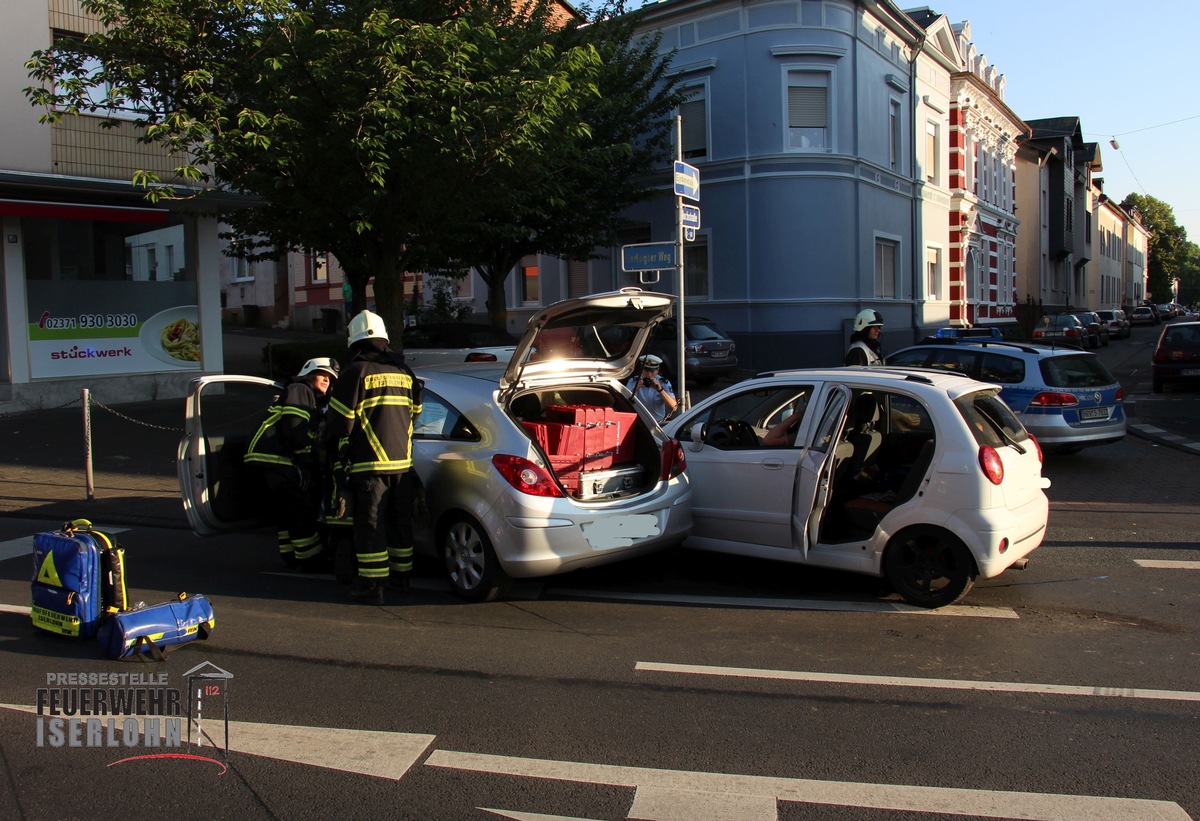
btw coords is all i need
(867, 318)
(367, 325)
(322, 364)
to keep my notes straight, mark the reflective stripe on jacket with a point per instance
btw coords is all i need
(861, 354)
(287, 434)
(372, 409)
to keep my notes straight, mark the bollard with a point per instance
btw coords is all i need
(87, 445)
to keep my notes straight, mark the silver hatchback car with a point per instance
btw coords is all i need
(541, 467)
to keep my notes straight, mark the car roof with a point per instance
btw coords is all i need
(921, 380)
(1034, 348)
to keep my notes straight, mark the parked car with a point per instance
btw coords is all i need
(1066, 398)
(1097, 327)
(1142, 315)
(1166, 311)
(1158, 317)
(1177, 356)
(927, 479)
(1117, 322)
(441, 343)
(1061, 329)
(708, 352)
(508, 492)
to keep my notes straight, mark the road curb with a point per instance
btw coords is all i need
(1158, 436)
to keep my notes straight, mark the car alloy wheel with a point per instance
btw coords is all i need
(471, 565)
(929, 566)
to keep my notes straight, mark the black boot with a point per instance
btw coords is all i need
(398, 581)
(367, 593)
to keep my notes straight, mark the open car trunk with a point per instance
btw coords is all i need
(592, 440)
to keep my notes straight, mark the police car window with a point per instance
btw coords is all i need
(958, 360)
(441, 420)
(1007, 370)
(915, 358)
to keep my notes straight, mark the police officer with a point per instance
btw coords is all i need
(371, 419)
(284, 450)
(864, 342)
(653, 389)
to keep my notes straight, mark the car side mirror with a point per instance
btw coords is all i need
(696, 432)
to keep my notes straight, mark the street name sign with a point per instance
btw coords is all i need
(648, 256)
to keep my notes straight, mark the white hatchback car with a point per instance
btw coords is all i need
(541, 467)
(925, 478)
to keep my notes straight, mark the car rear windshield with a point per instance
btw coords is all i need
(703, 330)
(1176, 337)
(990, 420)
(1076, 371)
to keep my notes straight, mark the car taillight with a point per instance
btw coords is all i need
(989, 460)
(1071, 332)
(1161, 356)
(478, 356)
(673, 461)
(694, 348)
(1048, 399)
(1038, 447)
(525, 476)
(1120, 397)
(1037, 334)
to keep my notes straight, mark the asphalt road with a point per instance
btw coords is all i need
(682, 686)
(1064, 691)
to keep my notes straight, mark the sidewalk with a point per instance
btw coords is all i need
(134, 481)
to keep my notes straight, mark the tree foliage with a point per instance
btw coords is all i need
(382, 131)
(1168, 252)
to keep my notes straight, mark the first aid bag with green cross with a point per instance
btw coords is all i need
(78, 578)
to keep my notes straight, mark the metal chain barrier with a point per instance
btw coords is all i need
(120, 415)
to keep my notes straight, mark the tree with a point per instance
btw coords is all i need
(359, 126)
(1167, 253)
(569, 195)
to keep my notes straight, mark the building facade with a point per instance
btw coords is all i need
(100, 290)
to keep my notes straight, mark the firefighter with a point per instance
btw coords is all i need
(372, 411)
(285, 450)
(864, 342)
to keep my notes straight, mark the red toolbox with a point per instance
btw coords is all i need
(608, 434)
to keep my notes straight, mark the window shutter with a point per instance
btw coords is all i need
(694, 128)
(577, 278)
(807, 107)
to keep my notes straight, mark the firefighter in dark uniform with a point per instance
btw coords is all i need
(285, 451)
(371, 417)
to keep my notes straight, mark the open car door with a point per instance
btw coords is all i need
(815, 481)
(221, 415)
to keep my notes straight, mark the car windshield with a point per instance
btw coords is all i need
(990, 420)
(1076, 371)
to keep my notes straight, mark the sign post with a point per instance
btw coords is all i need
(687, 184)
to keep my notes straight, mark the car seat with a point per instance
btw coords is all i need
(858, 445)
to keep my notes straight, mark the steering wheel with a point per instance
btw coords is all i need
(729, 433)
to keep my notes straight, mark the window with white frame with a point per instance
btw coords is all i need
(933, 273)
(896, 141)
(808, 111)
(693, 115)
(104, 96)
(316, 267)
(240, 270)
(885, 267)
(931, 152)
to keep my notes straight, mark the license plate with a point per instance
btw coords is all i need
(620, 531)
(1093, 413)
(719, 354)
(1190, 372)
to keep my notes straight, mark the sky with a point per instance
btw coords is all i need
(1127, 70)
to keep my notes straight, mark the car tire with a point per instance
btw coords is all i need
(929, 566)
(470, 562)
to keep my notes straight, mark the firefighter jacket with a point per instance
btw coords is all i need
(289, 432)
(372, 409)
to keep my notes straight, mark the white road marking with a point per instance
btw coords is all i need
(712, 795)
(790, 604)
(1164, 564)
(15, 608)
(935, 683)
(23, 546)
(364, 752)
(531, 816)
